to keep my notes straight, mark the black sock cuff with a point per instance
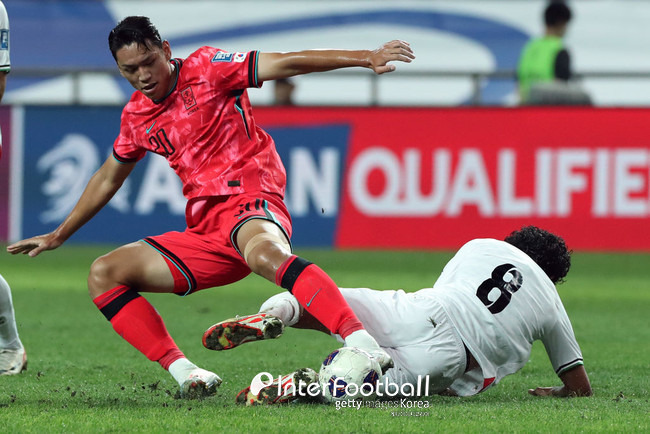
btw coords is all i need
(112, 308)
(292, 272)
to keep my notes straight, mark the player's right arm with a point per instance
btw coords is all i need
(566, 357)
(100, 189)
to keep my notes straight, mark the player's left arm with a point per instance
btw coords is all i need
(576, 383)
(273, 66)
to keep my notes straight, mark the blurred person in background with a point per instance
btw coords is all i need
(13, 359)
(544, 67)
(283, 90)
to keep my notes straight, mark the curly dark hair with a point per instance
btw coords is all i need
(548, 250)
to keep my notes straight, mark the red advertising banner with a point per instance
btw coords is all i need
(435, 178)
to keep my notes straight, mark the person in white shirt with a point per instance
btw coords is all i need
(475, 325)
(13, 359)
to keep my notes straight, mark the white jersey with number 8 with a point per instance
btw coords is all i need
(500, 301)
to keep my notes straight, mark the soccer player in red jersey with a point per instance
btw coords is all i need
(196, 113)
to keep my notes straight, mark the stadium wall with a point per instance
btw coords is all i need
(404, 178)
(53, 42)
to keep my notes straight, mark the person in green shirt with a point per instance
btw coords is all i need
(545, 59)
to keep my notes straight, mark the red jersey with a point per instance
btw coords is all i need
(205, 128)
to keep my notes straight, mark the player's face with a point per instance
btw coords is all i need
(147, 68)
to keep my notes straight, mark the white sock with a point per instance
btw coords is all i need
(8, 332)
(361, 339)
(181, 369)
(283, 306)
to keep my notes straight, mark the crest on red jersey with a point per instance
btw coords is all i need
(188, 97)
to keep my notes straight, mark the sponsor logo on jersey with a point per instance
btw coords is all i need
(151, 127)
(188, 97)
(223, 56)
(4, 39)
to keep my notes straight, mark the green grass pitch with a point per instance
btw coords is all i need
(82, 377)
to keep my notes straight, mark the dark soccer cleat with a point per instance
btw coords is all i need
(236, 331)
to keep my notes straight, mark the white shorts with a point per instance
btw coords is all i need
(416, 332)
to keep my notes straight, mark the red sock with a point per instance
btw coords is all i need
(318, 294)
(139, 324)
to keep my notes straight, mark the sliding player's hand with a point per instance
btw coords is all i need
(561, 392)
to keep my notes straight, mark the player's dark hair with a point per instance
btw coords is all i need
(133, 29)
(548, 250)
(557, 12)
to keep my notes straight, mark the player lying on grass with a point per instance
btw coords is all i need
(475, 325)
(196, 113)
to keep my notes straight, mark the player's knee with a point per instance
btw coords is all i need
(258, 261)
(102, 276)
(266, 258)
(265, 252)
